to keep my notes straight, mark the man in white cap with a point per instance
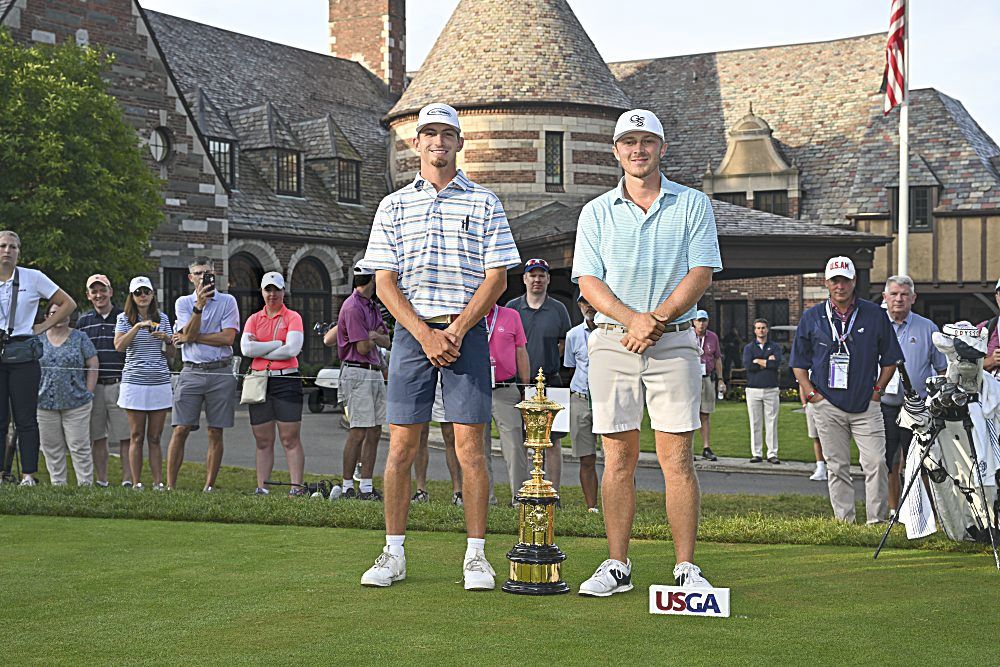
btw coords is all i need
(645, 253)
(360, 332)
(711, 379)
(843, 355)
(440, 248)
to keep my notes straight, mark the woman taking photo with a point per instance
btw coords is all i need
(65, 397)
(20, 373)
(143, 333)
(273, 338)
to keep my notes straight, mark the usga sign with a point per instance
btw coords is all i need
(682, 601)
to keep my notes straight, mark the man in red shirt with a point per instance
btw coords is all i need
(509, 364)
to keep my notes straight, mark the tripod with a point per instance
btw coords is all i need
(11, 456)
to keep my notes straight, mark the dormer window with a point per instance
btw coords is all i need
(920, 208)
(771, 201)
(349, 181)
(224, 155)
(289, 173)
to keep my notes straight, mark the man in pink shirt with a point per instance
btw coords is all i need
(360, 332)
(711, 379)
(509, 364)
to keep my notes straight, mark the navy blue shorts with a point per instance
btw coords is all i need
(468, 397)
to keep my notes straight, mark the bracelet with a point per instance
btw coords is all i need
(879, 390)
(810, 395)
(196, 310)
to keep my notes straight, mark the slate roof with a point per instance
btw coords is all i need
(210, 118)
(4, 6)
(824, 104)
(497, 52)
(322, 138)
(947, 149)
(266, 90)
(732, 221)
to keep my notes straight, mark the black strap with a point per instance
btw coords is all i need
(15, 286)
(991, 327)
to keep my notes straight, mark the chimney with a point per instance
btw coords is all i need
(373, 33)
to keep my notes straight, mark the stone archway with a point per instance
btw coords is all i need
(338, 276)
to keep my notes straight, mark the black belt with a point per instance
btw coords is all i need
(108, 380)
(512, 380)
(668, 328)
(581, 394)
(208, 365)
(361, 364)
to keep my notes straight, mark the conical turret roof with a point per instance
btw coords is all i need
(500, 52)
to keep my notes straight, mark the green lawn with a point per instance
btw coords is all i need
(89, 591)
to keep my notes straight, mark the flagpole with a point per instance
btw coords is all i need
(903, 209)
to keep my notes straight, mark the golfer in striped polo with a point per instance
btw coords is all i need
(645, 252)
(440, 248)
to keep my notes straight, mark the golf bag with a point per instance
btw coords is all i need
(955, 444)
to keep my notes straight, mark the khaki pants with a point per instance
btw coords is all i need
(508, 419)
(763, 404)
(59, 429)
(836, 428)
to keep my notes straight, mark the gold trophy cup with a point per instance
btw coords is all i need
(535, 561)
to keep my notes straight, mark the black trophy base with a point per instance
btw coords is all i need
(532, 557)
(526, 588)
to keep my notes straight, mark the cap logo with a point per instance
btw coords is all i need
(839, 265)
(438, 111)
(638, 120)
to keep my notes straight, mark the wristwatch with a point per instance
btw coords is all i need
(879, 390)
(196, 310)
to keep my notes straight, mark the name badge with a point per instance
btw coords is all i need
(840, 364)
(493, 373)
(892, 387)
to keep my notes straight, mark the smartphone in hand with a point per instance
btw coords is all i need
(208, 280)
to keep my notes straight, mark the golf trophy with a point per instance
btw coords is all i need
(535, 561)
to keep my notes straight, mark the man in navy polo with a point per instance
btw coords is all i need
(762, 358)
(851, 350)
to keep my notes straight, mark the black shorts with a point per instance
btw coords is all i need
(283, 402)
(897, 440)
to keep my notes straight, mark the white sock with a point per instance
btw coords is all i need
(348, 483)
(395, 544)
(366, 486)
(820, 465)
(474, 545)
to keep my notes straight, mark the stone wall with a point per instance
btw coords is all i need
(372, 33)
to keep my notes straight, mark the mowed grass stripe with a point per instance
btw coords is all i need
(139, 592)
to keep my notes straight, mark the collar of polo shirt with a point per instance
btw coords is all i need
(460, 181)
(666, 188)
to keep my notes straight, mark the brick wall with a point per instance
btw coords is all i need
(373, 33)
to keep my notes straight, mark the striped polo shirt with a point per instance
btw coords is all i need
(101, 330)
(440, 243)
(642, 257)
(144, 360)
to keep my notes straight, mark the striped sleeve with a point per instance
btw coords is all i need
(587, 260)
(704, 238)
(499, 249)
(382, 252)
(165, 324)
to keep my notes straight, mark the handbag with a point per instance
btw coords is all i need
(254, 387)
(22, 349)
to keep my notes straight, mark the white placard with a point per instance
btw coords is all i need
(682, 601)
(560, 396)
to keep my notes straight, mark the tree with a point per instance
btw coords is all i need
(73, 184)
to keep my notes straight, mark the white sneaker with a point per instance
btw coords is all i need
(336, 492)
(819, 475)
(612, 576)
(29, 481)
(159, 487)
(593, 510)
(138, 487)
(387, 569)
(689, 575)
(478, 573)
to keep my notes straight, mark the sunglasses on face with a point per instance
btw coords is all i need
(272, 288)
(142, 291)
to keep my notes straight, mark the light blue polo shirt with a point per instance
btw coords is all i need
(576, 356)
(922, 358)
(642, 257)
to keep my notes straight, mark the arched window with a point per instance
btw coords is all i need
(245, 273)
(310, 297)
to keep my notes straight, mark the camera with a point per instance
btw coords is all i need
(208, 280)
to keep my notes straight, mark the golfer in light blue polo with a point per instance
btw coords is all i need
(645, 253)
(440, 248)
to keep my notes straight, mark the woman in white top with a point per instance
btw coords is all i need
(144, 334)
(20, 372)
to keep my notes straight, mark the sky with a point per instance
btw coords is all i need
(952, 44)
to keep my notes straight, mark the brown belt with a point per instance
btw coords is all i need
(441, 319)
(621, 328)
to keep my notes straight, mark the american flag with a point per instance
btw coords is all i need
(894, 63)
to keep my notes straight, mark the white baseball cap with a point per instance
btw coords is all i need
(272, 278)
(840, 266)
(701, 314)
(638, 120)
(140, 281)
(361, 270)
(438, 113)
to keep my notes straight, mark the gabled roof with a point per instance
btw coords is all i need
(947, 149)
(321, 138)
(818, 98)
(498, 52)
(210, 118)
(262, 126)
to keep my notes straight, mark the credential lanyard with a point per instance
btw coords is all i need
(495, 312)
(841, 338)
